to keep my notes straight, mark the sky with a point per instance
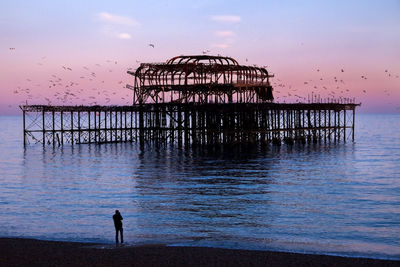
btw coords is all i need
(77, 52)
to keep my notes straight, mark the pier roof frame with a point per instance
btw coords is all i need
(201, 76)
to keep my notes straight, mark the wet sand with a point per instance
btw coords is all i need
(31, 252)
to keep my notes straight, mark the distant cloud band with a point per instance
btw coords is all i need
(224, 33)
(116, 19)
(124, 36)
(222, 46)
(226, 18)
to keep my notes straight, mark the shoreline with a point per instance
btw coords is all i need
(21, 252)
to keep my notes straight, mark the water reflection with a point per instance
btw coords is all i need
(336, 198)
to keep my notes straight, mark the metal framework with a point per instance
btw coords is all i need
(192, 100)
(200, 79)
(189, 123)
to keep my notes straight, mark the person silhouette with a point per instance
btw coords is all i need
(118, 226)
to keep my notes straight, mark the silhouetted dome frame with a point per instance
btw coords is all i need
(199, 78)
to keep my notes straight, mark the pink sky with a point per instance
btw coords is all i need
(294, 42)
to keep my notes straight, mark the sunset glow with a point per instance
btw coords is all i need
(78, 52)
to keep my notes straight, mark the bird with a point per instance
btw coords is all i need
(151, 45)
(342, 70)
(12, 48)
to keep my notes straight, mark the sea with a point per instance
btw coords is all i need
(329, 198)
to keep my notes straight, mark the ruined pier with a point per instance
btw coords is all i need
(194, 100)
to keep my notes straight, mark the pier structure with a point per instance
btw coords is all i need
(201, 80)
(194, 100)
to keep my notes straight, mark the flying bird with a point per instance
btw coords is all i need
(152, 45)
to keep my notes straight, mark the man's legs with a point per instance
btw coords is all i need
(121, 231)
(116, 235)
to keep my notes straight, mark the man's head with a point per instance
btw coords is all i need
(116, 211)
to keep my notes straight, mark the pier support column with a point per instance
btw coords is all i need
(23, 121)
(354, 122)
(62, 127)
(53, 128)
(344, 125)
(141, 125)
(72, 127)
(89, 129)
(79, 127)
(43, 128)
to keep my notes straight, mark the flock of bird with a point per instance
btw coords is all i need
(324, 89)
(67, 87)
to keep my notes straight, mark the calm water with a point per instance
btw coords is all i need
(335, 199)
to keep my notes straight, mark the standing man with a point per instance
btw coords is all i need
(118, 226)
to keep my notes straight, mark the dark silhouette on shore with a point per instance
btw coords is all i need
(118, 226)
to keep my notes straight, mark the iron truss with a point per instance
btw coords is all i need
(200, 79)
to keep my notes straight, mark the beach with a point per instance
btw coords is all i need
(32, 252)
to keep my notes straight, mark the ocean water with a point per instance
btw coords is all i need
(336, 199)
